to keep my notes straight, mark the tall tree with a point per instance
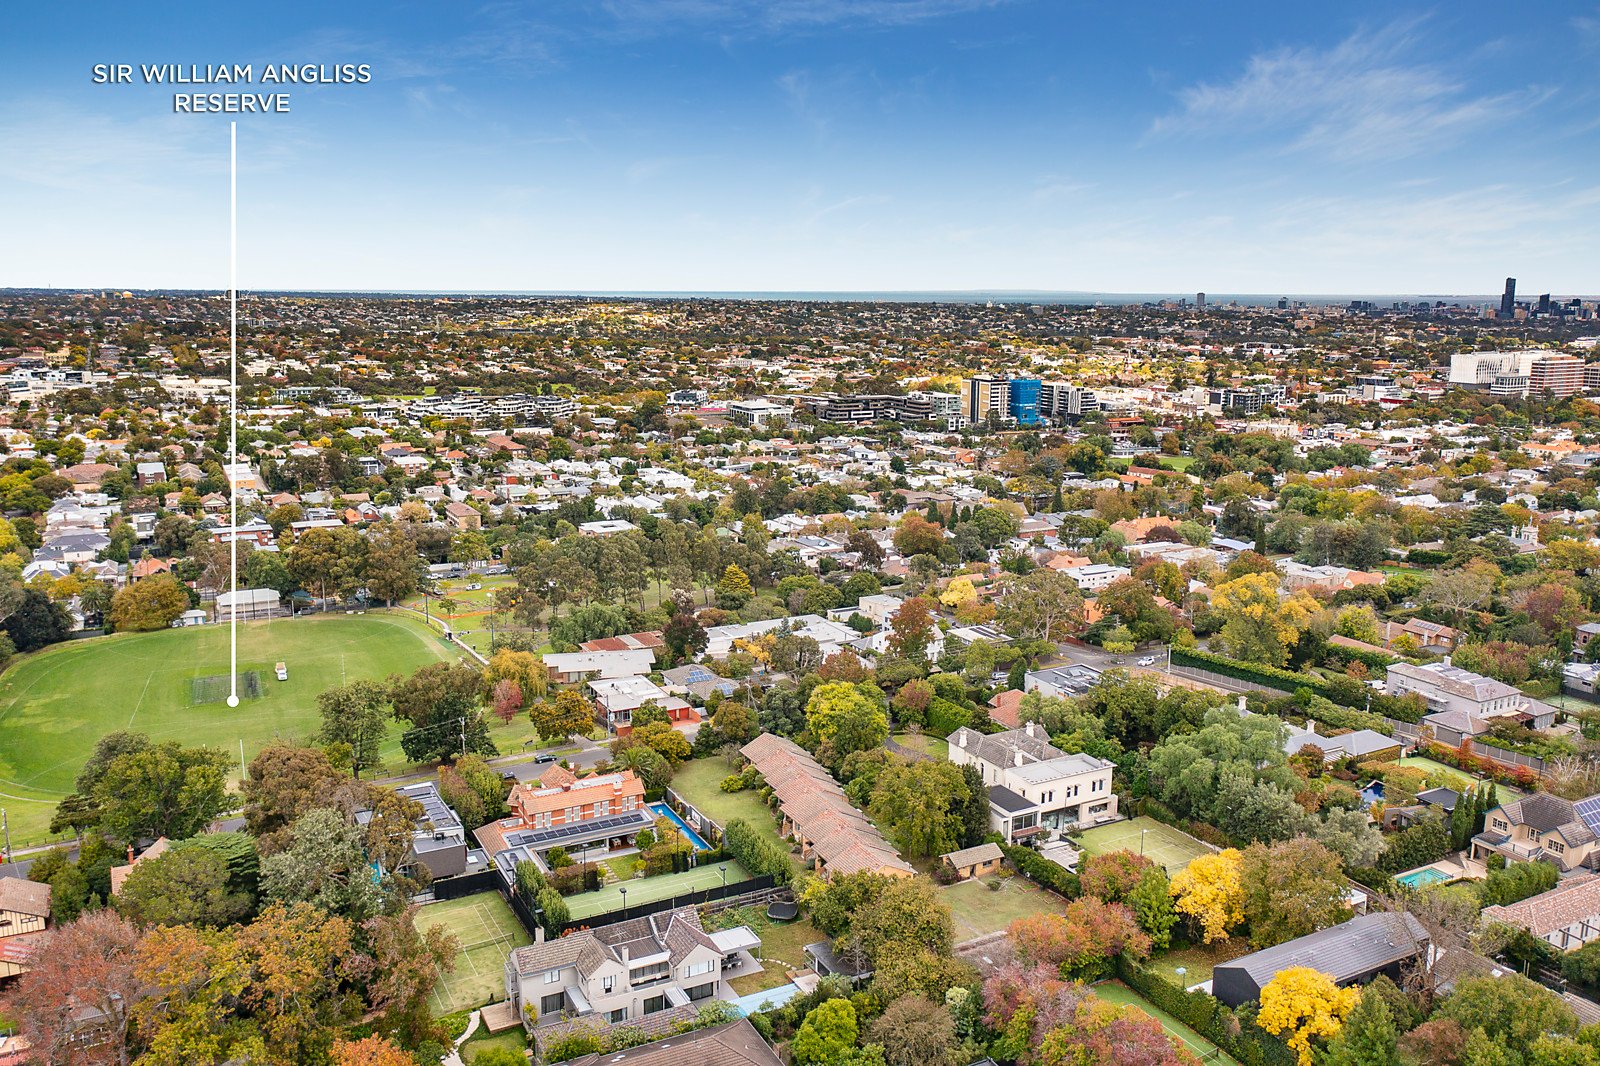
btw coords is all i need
(440, 703)
(392, 568)
(356, 715)
(89, 965)
(162, 791)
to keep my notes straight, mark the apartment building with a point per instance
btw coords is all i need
(1034, 787)
(628, 971)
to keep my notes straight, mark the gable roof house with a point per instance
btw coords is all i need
(24, 916)
(1541, 826)
(1353, 952)
(628, 971)
(1566, 917)
(832, 834)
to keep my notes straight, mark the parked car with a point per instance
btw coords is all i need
(283, 671)
(543, 757)
(1148, 660)
(474, 586)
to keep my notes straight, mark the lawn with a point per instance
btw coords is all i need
(1197, 960)
(700, 783)
(488, 932)
(1171, 847)
(650, 889)
(1199, 1046)
(511, 1040)
(782, 945)
(54, 705)
(938, 747)
(1462, 781)
(979, 909)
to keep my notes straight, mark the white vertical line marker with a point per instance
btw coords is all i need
(233, 412)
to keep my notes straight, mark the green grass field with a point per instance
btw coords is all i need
(1458, 780)
(56, 704)
(938, 747)
(700, 783)
(1170, 847)
(978, 909)
(488, 932)
(1197, 960)
(650, 889)
(1197, 1045)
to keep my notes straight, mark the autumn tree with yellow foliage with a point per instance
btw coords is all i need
(1257, 626)
(1210, 892)
(1301, 1005)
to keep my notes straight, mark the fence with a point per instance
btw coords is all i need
(466, 885)
(686, 899)
(1508, 758)
(709, 830)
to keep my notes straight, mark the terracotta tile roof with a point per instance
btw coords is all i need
(1571, 901)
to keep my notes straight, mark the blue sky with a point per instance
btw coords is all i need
(818, 144)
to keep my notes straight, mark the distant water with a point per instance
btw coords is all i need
(932, 296)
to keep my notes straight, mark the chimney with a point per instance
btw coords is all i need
(1028, 729)
(1311, 727)
(538, 934)
(1017, 758)
(1242, 707)
(963, 740)
(1447, 660)
(624, 950)
(130, 854)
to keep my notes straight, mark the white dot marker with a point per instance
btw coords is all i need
(233, 701)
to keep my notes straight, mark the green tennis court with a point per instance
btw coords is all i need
(488, 932)
(1193, 1042)
(1172, 848)
(652, 889)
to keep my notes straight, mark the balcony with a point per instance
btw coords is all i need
(1504, 845)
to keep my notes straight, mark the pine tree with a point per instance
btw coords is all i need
(1369, 1036)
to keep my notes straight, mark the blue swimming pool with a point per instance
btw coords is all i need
(671, 815)
(1422, 878)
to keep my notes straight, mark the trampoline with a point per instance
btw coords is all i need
(780, 911)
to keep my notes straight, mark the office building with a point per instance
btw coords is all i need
(1508, 299)
(1200, 301)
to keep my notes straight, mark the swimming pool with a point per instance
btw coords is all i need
(1422, 878)
(694, 838)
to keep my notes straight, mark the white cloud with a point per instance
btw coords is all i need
(1363, 100)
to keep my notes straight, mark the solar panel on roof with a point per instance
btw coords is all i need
(1589, 811)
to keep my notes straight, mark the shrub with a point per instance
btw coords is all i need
(759, 854)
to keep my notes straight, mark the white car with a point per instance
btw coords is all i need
(1148, 660)
(283, 671)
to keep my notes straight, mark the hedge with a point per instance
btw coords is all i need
(757, 853)
(1347, 691)
(945, 717)
(1041, 871)
(1206, 1015)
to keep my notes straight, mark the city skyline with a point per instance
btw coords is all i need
(931, 146)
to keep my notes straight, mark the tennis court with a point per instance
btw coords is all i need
(1192, 1042)
(1172, 848)
(488, 932)
(652, 889)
